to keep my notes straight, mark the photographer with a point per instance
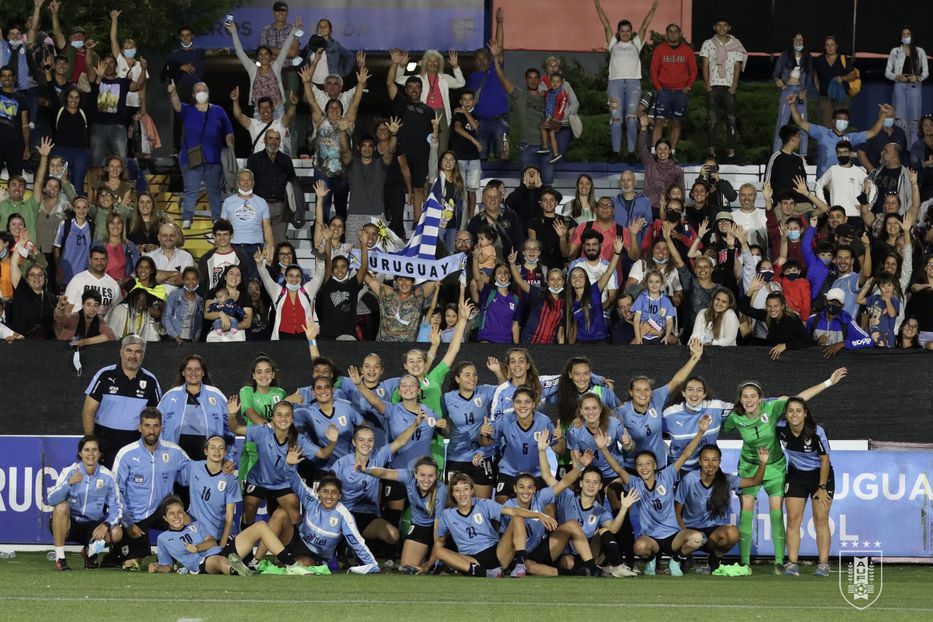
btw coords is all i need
(721, 192)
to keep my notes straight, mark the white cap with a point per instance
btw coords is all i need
(836, 294)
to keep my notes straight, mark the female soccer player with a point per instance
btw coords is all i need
(267, 480)
(756, 420)
(809, 474)
(86, 504)
(467, 405)
(470, 523)
(257, 399)
(703, 499)
(680, 421)
(189, 548)
(660, 531)
(213, 492)
(427, 496)
(515, 436)
(317, 418)
(521, 371)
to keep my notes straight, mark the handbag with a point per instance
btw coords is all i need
(196, 153)
(576, 125)
(854, 86)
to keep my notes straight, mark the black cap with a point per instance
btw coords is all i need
(553, 192)
(280, 6)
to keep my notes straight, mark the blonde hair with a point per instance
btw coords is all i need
(428, 54)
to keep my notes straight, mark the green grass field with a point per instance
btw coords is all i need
(30, 589)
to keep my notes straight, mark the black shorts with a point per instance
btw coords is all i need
(393, 491)
(482, 475)
(665, 545)
(363, 519)
(266, 494)
(707, 531)
(506, 485)
(423, 534)
(487, 559)
(803, 484)
(298, 548)
(417, 158)
(542, 553)
(79, 532)
(137, 548)
(112, 441)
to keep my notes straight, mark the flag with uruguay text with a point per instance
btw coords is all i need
(423, 242)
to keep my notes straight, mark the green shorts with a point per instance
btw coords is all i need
(773, 482)
(248, 458)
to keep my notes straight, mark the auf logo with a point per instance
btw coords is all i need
(862, 580)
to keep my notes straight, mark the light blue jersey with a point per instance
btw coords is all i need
(464, 419)
(172, 547)
(694, 496)
(146, 477)
(518, 446)
(656, 506)
(204, 414)
(209, 496)
(423, 512)
(269, 470)
(474, 532)
(570, 508)
(313, 421)
(360, 491)
(581, 439)
(352, 394)
(399, 419)
(645, 428)
(682, 422)
(95, 499)
(534, 529)
(502, 397)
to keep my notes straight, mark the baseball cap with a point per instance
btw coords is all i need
(836, 294)
(280, 6)
(724, 215)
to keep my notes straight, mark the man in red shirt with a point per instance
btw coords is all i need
(673, 72)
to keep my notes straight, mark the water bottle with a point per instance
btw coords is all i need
(50, 556)
(504, 147)
(7, 554)
(96, 547)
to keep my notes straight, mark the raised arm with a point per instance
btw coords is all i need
(362, 76)
(238, 115)
(836, 378)
(611, 270)
(464, 307)
(696, 353)
(544, 441)
(691, 447)
(406, 434)
(173, 96)
(60, 41)
(245, 60)
(602, 442)
(516, 273)
(496, 50)
(115, 48)
(604, 21)
(883, 111)
(306, 72)
(233, 420)
(647, 21)
(399, 58)
(798, 120)
(374, 400)
(626, 502)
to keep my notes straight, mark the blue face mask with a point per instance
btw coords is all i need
(660, 262)
(77, 44)
(793, 235)
(841, 125)
(798, 48)
(888, 122)
(129, 53)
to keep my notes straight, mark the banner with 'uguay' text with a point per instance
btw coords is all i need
(412, 267)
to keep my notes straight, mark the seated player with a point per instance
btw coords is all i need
(213, 494)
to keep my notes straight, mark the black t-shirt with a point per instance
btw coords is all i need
(826, 72)
(111, 101)
(886, 182)
(550, 243)
(926, 175)
(336, 307)
(11, 116)
(416, 125)
(463, 148)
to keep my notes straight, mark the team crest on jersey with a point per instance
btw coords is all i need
(333, 521)
(212, 400)
(662, 311)
(342, 420)
(222, 485)
(592, 519)
(478, 519)
(142, 384)
(478, 401)
(661, 490)
(652, 412)
(193, 527)
(381, 392)
(431, 421)
(165, 457)
(99, 484)
(764, 417)
(275, 399)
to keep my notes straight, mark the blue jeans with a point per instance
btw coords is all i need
(624, 95)
(79, 160)
(211, 175)
(907, 106)
(783, 116)
(528, 154)
(489, 134)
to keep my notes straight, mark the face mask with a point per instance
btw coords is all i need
(767, 275)
(833, 309)
(673, 216)
(293, 287)
(341, 279)
(297, 61)
(888, 122)
(16, 44)
(244, 193)
(793, 235)
(191, 289)
(3, 252)
(556, 291)
(826, 260)
(841, 125)
(906, 40)
(798, 48)
(77, 44)
(129, 53)
(186, 45)
(503, 285)
(201, 97)
(660, 262)
(791, 276)
(470, 109)
(532, 261)
(844, 160)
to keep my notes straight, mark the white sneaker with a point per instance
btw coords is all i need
(622, 571)
(186, 224)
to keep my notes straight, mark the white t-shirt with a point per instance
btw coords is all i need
(671, 279)
(180, 260)
(625, 59)
(256, 126)
(845, 184)
(754, 223)
(106, 286)
(720, 75)
(124, 71)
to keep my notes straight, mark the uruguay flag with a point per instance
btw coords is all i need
(423, 242)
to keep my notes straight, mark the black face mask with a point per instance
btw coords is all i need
(833, 309)
(792, 276)
(673, 216)
(844, 160)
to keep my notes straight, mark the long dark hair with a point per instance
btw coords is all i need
(585, 305)
(292, 430)
(809, 425)
(452, 383)
(242, 294)
(576, 205)
(806, 60)
(531, 378)
(912, 49)
(568, 398)
(263, 358)
(205, 379)
(720, 496)
(428, 461)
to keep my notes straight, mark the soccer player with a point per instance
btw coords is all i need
(809, 474)
(86, 505)
(257, 399)
(267, 479)
(467, 405)
(427, 496)
(703, 498)
(146, 472)
(515, 436)
(470, 522)
(660, 531)
(756, 420)
(316, 418)
(680, 421)
(187, 547)
(213, 493)
(521, 372)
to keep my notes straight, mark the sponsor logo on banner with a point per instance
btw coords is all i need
(861, 573)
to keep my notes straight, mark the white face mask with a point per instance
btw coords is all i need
(129, 53)
(906, 40)
(341, 279)
(77, 44)
(503, 285)
(15, 43)
(191, 289)
(186, 45)
(841, 124)
(532, 261)
(555, 291)
(798, 48)
(293, 287)
(244, 193)
(201, 97)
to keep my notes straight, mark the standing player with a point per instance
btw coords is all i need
(86, 505)
(521, 373)
(680, 421)
(213, 494)
(703, 499)
(809, 474)
(257, 400)
(326, 412)
(756, 420)
(470, 522)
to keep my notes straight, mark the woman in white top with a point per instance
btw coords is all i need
(299, 298)
(907, 67)
(436, 86)
(264, 72)
(624, 75)
(717, 325)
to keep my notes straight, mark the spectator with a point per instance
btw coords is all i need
(265, 72)
(128, 67)
(834, 328)
(273, 171)
(869, 152)
(595, 266)
(721, 192)
(249, 215)
(525, 200)
(630, 205)
(400, 307)
(265, 121)
(139, 314)
(891, 203)
(655, 314)
(283, 258)
(907, 336)
(657, 260)
(921, 157)
(892, 178)
(84, 327)
(188, 62)
(907, 68)
(71, 133)
(213, 263)
(80, 57)
(563, 132)
(785, 330)
(333, 85)
(624, 77)
(206, 129)
(335, 60)
(145, 224)
(785, 165)
(466, 147)
(110, 120)
(258, 304)
(337, 299)
(498, 306)
(749, 217)
(672, 221)
(698, 286)
(673, 72)
(234, 281)
(797, 294)
(607, 229)
(792, 74)
(725, 58)
(393, 194)
(555, 111)
(881, 309)
(366, 174)
(543, 231)
(546, 317)
(660, 169)
(784, 215)
(622, 321)
(170, 260)
(506, 223)
(700, 209)
(30, 312)
(436, 87)
(492, 102)
(844, 181)
(717, 325)
(582, 208)
(184, 310)
(294, 302)
(721, 248)
(115, 397)
(121, 253)
(234, 312)
(72, 243)
(921, 302)
(14, 124)
(831, 74)
(144, 277)
(275, 35)
(585, 321)
(105, 207)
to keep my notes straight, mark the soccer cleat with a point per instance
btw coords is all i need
(822, 570)
(543, 151)
(622, 571)
(649, 568)
(408, 570)
(703, 570)
(495, 573)
(791, 570)
(778, 570)
(674, 567)
(387, 565)
(238, 566)
(90, 560)
(131, 565)
(518, 572)
(62, 565)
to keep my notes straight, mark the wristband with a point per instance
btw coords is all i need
(822, 486)
(312, 342)
(828, 383)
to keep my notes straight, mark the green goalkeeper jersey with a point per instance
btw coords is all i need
(760, 431)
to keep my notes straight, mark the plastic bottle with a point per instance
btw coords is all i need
(7, 554)
(504, 147)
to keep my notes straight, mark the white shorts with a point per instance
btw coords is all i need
(471, 171)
